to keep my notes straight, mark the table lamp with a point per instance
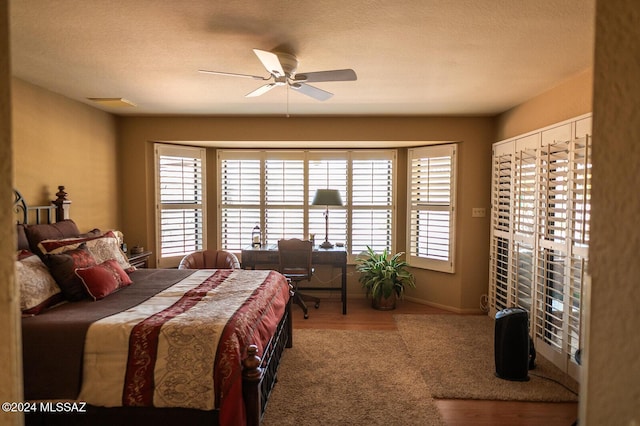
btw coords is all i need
(327, 197)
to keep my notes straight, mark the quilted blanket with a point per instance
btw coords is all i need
(183, 347)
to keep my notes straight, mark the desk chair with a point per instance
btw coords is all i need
(210, 259)
(295, 264)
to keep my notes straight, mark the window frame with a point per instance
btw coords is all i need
(424, 261)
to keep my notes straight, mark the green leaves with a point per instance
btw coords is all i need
(382, 275)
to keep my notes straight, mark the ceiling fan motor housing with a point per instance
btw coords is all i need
(289, 63)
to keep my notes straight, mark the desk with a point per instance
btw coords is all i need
(267, 257)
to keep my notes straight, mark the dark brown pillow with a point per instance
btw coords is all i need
(63, 269)
(23, 242)
(50, 231)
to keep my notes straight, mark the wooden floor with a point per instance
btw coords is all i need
(360, 316)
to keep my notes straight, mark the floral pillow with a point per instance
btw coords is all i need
(63, 267)
(38, 289)
(103, 279)
(102, 247)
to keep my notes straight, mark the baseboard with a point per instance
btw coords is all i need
(335, 295)
(445, 307)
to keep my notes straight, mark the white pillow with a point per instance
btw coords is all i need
(38, 289)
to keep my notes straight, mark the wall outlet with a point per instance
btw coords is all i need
(478, 212)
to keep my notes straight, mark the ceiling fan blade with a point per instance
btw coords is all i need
(270, 61)
(333, 75)
(261, 90)
(314, 92)
(232, 74)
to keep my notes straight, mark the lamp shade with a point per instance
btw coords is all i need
(327, 197)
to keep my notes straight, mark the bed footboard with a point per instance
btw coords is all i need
(259, 374)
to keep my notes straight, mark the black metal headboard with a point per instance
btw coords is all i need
(40, 214)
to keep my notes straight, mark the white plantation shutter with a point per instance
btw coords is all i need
(284, 199)
(563, 237)
(328, 170)
(524, 189)
(539, 259)
(552, 257)
(371, 204)
(580, 213)
(522, 276)
(431, 198)
(180, 200)
(580, 192)
(240, 195)
(275, 189)
(501, 211)
(499, 273)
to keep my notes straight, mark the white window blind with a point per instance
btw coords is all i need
(180, 200)
(282, 185)
(431, 187)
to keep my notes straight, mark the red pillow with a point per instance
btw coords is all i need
(103, 279)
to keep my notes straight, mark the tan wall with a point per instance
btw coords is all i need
(460, 291)
(611, 380)
(57, 141)
(10, 354)
(570, 98)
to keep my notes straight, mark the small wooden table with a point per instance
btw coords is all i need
(139, 260)
(266, 257)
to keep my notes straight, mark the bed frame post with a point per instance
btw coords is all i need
(251, 376)
(62, 204)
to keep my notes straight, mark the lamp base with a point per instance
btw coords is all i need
(326, 245)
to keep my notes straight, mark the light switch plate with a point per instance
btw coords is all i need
(478, 212)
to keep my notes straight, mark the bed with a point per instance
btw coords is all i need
(106, 343)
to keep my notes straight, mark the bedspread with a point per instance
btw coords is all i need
(162, 352)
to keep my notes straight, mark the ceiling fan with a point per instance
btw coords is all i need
(282, 69)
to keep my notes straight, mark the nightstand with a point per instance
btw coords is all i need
(139, 260)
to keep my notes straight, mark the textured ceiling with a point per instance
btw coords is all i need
(413, 57)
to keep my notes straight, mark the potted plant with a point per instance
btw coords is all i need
(384, 277)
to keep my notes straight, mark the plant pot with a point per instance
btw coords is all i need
(384, 303)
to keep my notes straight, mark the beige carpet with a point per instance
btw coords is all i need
(336, 377)
(455, 354)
